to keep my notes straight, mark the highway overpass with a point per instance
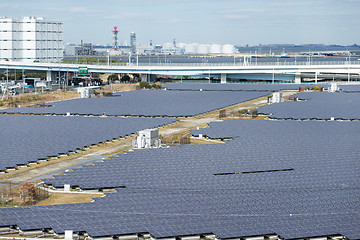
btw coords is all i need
(291, 71)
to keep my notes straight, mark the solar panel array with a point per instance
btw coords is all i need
(26, 139)
(317, 105)
(350, 88)
(234, 87)
(147, 103)
(173, 191)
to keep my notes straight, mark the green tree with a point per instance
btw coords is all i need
(254, 113)
(113, 77)
(125, 78)
(144, 85)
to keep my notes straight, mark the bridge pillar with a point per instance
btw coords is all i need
(50, 76)
(145, 78)
(148, 78)
(223, 78)
(298, 78)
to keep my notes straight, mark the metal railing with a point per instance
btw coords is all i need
(240, 64)
(223, 64)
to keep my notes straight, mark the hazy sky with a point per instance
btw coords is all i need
(203, 21)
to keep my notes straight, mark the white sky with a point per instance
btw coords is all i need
(203, 21)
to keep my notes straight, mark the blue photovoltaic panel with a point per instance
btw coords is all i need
(317, 105)
(26, 139)
(174, 191)
(235, 86)
(147, 103)
(349, 88)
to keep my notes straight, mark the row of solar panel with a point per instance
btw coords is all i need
(317, 106)
(254, 87)
(30, 138)
(146, 103)
(172, 185)
(236, 87)
(226, 213)
(174, 191)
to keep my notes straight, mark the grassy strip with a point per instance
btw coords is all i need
(31, 99)
(110, 148)
(68, 198)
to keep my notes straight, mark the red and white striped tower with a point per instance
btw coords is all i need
(115, 44)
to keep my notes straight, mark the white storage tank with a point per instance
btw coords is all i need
(203, 49)
(191, 48)
(228, 49)
(181, 45)
(168, 45)
(215, 48)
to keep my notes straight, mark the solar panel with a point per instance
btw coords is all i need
(147, 103)
(27, 139)
(315, 105)
(349, 88)
(173, 191)
(235, 86)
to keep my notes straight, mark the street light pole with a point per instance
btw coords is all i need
(23, 78)
(349, 58)
(7, 83)
(67, 78)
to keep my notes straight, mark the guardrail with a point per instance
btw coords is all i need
(204, 65)
(238, 64)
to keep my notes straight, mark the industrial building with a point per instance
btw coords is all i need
(31, 38)
(196, 48)
(133, 42)
(86, 49)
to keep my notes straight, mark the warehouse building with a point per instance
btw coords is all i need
(31, 38)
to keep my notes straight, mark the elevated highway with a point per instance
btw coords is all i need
(291, 71)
